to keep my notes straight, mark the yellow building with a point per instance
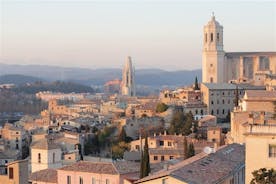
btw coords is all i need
(260, 148)
(17, 173)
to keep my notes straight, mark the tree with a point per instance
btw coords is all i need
(196, 87)
(185, 147)
(145, 165)
(191, 150)
(264, 176)
(181, 123)
(119, 149)
(122, 135)
(237, 96)
(161, 107)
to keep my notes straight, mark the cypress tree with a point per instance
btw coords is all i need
(237, 97)
(196, 87)
(142, 165)
(191, 150)
(185, 148)
(146, 164)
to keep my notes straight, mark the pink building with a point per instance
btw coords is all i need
(98, 173)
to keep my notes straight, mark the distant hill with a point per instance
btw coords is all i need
(18, 79)
(150, 77)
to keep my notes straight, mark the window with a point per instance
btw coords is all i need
(217, 111)
(211, 79)
(206, 37)
(162, 158)
(107, 181)
(272, 150)
(196, 111)
(10, 173)
(222, 111)
(232, 181)
(54, 155)
(217, 36)
(171, 157)
(39, 158)
(81, 180)
(169, 143)
(212, 112)
(222, 101)
(137, 147)
(155, 157)
(212, 102)
(16, 146)
(212, 37)
(93, 181)
(201, 112)
(161, 143)
(68, 179)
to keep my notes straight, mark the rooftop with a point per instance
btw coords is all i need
(45, 144)
(46, 175)
(205, 168)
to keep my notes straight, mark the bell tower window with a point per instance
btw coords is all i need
(211, 79)
(217, 36)
(211, 37)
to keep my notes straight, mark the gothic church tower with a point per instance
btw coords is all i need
(128, 82)
(213, 54)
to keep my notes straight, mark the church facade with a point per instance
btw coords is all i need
(219, 66)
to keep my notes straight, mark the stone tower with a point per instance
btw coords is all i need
(213, 54)
(128, 79)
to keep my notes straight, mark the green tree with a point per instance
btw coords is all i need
(145, 165)
(196, 87)
(236, 96)
(181, 123)
(191, 150)
(119, 149)
(264, 176)
(122, 135)
(161, 107)
(185, 147)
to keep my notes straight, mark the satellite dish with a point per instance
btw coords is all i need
(208, 150)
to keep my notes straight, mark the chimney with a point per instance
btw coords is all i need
(215, 147)
(250, 118)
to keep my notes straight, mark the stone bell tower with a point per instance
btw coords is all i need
(213, 54)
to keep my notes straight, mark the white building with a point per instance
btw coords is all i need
(45, 154)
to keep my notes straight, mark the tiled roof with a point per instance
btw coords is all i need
(45, 144)
(263, 94)
(46, 175)
(205, 168)
(220, 86)
(237, 54)
(113, 168)
(166, 151)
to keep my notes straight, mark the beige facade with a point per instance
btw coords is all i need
(17, 173)
(44, 155)
(219, 66)
(260, 149)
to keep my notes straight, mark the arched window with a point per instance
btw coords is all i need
(201, 112)
(212, 112)
(212, 37)
(222, 111)
(217, 37)
(211, 79)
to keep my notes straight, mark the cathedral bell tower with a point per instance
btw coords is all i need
(213, 54)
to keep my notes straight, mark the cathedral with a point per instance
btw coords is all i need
(128, 82)
(219, 66)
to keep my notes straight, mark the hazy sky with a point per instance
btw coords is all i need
(163, 34)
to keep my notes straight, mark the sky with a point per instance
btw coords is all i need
(165, 34)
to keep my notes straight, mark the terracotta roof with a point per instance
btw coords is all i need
(113, 168)
(260, 94)
(205, 168)
(46, 175)
(45, 144)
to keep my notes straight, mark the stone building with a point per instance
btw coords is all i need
(17, 173)
(128, 79)
(45, 154)
(220, 97)
(219, 66)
